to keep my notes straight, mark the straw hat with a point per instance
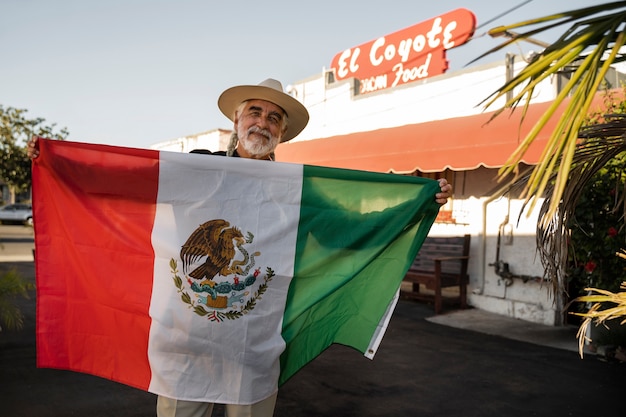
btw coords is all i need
(269, 90)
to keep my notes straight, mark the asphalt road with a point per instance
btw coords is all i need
(421, 369)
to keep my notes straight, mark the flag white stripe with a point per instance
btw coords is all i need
(378, 335)
(235, 360)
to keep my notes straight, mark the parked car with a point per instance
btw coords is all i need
(17, 213)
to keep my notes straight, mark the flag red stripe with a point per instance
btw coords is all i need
(88, 319)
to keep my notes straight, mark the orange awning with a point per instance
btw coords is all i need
(460, 143)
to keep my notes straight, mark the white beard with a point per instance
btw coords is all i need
(255, 145)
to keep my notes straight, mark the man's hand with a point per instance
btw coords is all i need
(32, 147)
(446, 191)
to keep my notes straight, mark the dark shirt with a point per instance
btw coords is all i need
(208, 152)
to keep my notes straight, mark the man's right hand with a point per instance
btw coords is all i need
(32, 148)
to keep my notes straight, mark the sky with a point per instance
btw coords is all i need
(138, 72)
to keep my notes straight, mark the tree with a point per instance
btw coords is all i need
(596, 232)
(15, 130)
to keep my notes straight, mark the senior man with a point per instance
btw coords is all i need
(263, 116)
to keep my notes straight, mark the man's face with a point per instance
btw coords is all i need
(259, 127)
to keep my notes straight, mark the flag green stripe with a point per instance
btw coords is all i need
(358, 234)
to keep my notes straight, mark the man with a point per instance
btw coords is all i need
(263, 116)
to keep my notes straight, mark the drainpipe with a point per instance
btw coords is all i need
(501, 267)
(509, 68)
(497, 194)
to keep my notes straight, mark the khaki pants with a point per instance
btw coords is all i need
(167, 407)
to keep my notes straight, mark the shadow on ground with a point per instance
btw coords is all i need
(422, 369)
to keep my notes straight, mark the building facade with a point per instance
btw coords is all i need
(438, 127)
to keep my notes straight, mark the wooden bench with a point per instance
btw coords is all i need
(440, 263)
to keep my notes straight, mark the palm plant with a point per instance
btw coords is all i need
(590, 45)
(573, 154)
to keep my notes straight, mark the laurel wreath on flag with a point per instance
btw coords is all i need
(214, 315)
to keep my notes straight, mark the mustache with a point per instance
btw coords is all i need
(264, 132)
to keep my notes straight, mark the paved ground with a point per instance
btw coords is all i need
(427, 366)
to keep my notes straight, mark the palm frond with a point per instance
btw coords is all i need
(600, 298)
(593, 31)
(579, 17)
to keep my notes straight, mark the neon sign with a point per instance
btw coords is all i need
(410, 54)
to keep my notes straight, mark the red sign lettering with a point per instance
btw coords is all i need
(407, 55)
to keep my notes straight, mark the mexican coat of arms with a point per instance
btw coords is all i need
(222, 286)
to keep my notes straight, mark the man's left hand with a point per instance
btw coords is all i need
(445, 193)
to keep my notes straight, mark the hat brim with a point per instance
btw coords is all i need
(298, 115)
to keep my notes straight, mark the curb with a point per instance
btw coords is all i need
(16, 258)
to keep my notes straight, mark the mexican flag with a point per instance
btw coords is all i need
(208, 278)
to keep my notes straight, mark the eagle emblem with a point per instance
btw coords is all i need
(215, 241)
(218, 280)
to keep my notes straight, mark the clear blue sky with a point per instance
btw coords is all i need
(137, 72)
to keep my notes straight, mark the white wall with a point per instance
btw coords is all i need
(213, 140)
(524, 297)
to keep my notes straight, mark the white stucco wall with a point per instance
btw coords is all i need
(526, 297)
